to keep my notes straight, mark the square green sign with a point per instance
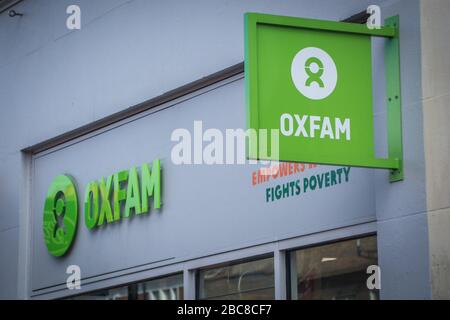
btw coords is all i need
(312, 81)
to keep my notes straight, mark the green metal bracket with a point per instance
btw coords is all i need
(394, 101)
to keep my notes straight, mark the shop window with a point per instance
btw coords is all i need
(167, 288)
(250, 280)
(336, 271)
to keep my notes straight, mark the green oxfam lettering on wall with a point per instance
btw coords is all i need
(122, 193)
(106, 201)
(312, 81)
(60, 215)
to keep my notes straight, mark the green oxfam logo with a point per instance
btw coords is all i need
(60, 215)
(106, 201)
(314, 76)
(314, 73)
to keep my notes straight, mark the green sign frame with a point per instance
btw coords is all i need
(269, 28)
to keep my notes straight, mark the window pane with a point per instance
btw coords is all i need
(167, 288)
(334, 271)
(248, 280)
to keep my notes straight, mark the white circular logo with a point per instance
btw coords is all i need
(314, 73)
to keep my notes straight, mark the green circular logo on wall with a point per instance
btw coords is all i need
(60, 215)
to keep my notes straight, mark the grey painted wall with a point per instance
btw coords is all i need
(53, 80)
(436, 91)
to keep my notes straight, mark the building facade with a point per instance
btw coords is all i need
(102, 103)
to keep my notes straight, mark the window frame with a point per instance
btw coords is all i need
(229, 264)
(87, 293)
(292, 251)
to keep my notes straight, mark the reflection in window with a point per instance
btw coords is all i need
(167, 288)
(334, 271)
(253, 280)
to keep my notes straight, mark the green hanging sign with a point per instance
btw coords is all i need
(312, 81)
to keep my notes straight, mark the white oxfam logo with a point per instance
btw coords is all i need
(314, 73)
